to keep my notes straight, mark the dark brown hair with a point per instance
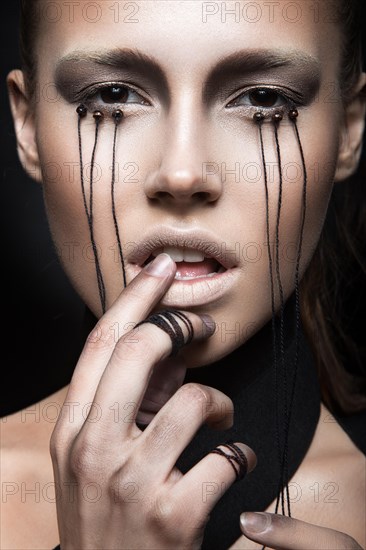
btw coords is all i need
(338, 259)
(338, 264)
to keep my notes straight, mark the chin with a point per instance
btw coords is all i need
(200, 354)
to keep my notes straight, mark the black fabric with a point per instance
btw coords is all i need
(247, 377)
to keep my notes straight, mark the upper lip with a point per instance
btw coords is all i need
(201, 240)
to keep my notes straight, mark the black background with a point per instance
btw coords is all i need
(41, 314)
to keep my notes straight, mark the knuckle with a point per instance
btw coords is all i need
(135, 345)
(85, 461)
(163, 512)
(54, 446)
(102, 337)
(160, 434)
(58, 443)
(175, 519)
(195, 393)
(123, 485)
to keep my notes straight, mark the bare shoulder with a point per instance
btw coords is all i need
(332, 481)
(28, 518)
(329, 487)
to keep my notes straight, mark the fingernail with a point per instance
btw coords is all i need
(255, 522)
(161, 266)
(209, 325)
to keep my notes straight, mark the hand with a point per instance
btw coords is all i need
(118, 487)
(284, 533)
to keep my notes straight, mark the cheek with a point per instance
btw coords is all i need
(60, 161)
(320, 146)
(244, 201)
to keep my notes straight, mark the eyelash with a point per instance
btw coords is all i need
(89, 97)
(289, 101)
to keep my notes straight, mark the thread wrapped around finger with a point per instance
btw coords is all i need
(236, 458)
(174, 331)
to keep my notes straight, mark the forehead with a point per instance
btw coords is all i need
(187, 35)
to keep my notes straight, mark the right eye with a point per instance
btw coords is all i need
(265, 98)
(115, 94)
(120, 94)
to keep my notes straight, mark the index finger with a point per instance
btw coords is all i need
(133, 305)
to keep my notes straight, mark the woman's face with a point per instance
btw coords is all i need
(188, 155)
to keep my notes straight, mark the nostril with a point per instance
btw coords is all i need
(162, 195)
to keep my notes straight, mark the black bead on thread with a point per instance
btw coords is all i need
(277, 117)
(98, 116)
(258, 116)
(82, 111)
(117, 116)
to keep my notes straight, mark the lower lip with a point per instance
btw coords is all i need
(198, 291)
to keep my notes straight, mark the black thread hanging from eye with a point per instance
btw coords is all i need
(82, 111)
(293, 115)
(117, 117)
(259, 117)
(277, 118)
(98, 116)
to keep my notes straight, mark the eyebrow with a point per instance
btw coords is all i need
(136, 64)
(79, 66)
(294, 63)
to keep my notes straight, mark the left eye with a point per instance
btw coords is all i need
(120, 94)
(259, 97)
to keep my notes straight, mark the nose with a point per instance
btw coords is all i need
(185, 176)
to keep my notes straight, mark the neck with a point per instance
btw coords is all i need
(247, 362)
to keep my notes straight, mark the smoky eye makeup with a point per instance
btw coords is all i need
(267, 99)
(101, 87)
(109, 96)
(237, 86)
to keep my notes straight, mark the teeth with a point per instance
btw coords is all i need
(180, 278)
(193, 256)
(180, 254)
